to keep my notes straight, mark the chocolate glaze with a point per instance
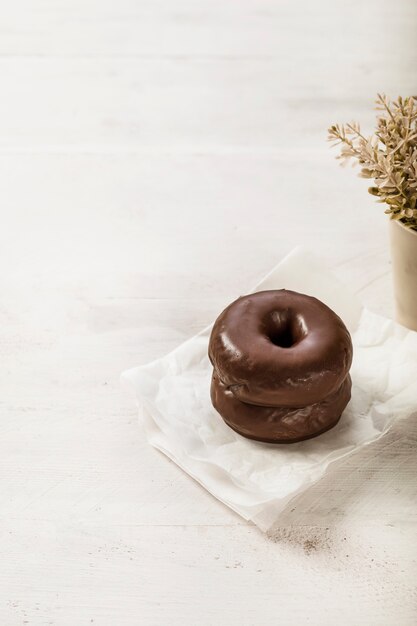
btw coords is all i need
(280, 348)
(279, 424)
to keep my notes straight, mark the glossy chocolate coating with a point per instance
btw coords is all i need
(279, 424)
(280, 348)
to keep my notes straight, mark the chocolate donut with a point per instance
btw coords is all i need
(279, 424)
(281, 359)
(280, 348)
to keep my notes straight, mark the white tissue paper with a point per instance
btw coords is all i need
(257, 480)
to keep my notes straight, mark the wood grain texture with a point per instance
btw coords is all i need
(156, 159)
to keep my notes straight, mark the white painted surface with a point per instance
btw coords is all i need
(156, 159)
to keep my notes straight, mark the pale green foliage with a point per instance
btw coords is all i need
(389, 156)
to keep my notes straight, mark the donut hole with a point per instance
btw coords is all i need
(286, 329)
(283, 338)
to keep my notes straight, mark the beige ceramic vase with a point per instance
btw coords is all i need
(404, 266)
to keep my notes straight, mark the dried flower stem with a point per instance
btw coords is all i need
(389, 156)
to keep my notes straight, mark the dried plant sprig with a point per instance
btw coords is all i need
(389, 156)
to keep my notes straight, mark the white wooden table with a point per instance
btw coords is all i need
(157, 157)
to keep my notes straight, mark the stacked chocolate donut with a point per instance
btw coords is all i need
(281, 364)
